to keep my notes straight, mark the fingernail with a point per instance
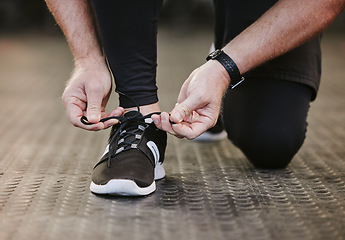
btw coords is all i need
(93, 118)
(156, 121)
(171, 122)
(179, 118)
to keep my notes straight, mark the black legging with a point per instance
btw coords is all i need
(266, 115)
(265, 118)
(128, 29)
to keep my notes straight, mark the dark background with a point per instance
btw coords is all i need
(18, 15)
(33, 14)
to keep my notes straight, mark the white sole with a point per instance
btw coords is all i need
(211, 137)
(126, 187)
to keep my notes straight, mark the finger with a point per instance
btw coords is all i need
(162, 122)
(193, 117)
(157, 121)
(115, 113)
(165, 123)
(184, 109)
(110, 122)
(119, 111)
(75, 114)
(189, 130)
(95, 127)
(74, 109)
(94, 101)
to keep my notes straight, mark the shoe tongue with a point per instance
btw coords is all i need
(132, 126)
(132, 114)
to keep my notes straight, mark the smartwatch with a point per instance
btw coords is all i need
(229, 65)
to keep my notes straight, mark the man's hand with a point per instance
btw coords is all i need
(87, 94)
(285, 26)
(88, 90)
(198, 104)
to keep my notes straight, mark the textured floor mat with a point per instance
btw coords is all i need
(210, 192)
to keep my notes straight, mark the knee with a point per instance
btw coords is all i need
(269, 155)
(270, 150)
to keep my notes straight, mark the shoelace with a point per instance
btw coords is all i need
(128, 135)
(84, 120)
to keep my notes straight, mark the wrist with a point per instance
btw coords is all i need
(91, 68)
(220, 74)
(229, 65)
(90, 61)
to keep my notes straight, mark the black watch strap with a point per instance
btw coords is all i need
(229, 65)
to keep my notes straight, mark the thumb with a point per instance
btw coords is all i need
(183, 110)
(93, 110)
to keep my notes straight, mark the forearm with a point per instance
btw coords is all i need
(288, 24)
(76, 21)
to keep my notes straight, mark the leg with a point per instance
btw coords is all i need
(219, 23)
(128, 32)
(266, 115)
(135, 152)
(266, 119)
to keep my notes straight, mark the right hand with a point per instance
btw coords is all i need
(87, 94)
(198, 104)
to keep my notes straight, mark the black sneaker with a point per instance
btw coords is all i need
(133, 158)
(215, 133)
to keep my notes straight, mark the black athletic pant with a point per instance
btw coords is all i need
(128, 30)
(265, 118)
